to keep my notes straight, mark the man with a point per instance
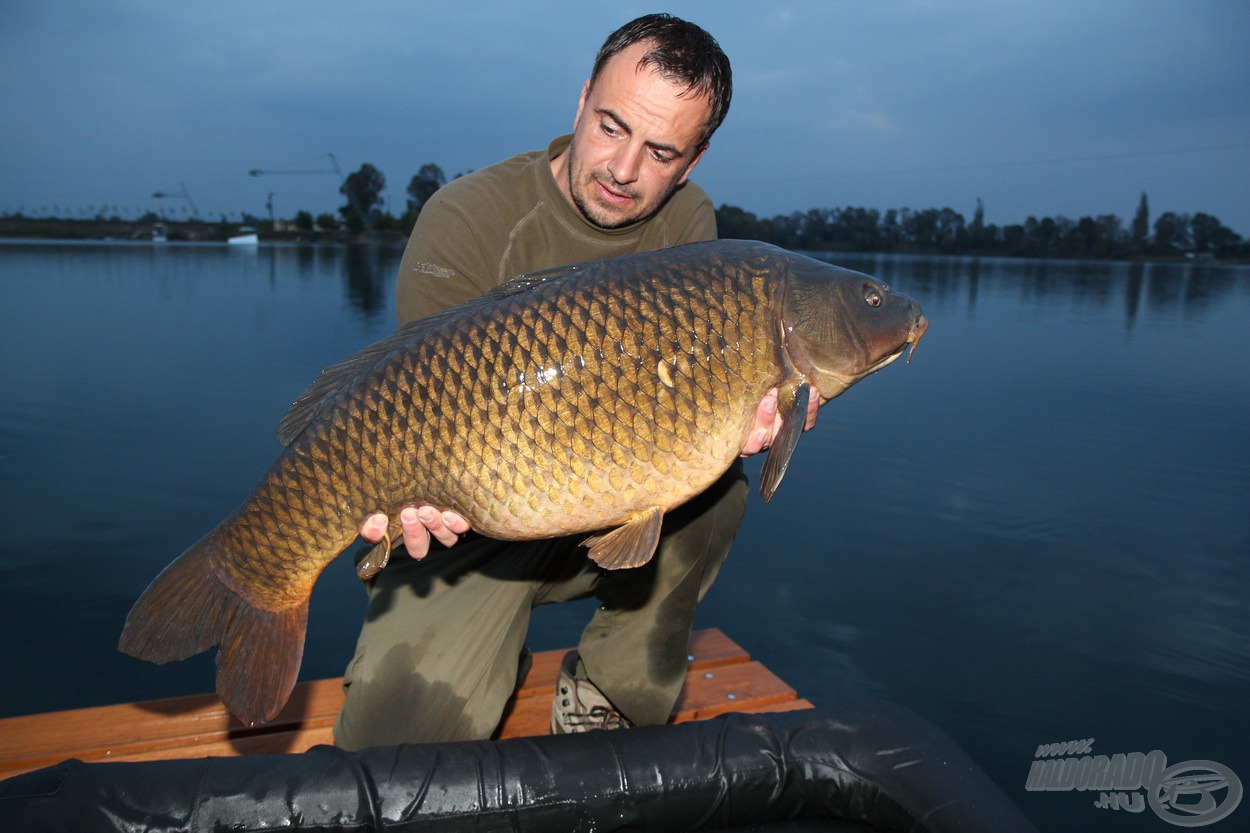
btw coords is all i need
(443, 642)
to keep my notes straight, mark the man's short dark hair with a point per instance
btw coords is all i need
(683, 54)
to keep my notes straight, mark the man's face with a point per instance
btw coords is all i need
(634, 142)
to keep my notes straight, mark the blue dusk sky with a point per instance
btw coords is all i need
(1066, 107)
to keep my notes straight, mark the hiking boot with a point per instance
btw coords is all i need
(579, 705)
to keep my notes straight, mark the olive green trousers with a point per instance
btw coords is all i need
(438, 653)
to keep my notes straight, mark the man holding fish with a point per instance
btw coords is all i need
(611, 397)
(443, 641)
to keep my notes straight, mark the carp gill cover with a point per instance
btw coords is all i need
(587, 399)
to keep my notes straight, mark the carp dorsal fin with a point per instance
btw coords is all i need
(631, 545)
(305, 410)
(792, 405)
(529, 280)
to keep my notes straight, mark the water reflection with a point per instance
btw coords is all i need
(367, 271)
(1190, 287)
(370, 272)
(1034, 532)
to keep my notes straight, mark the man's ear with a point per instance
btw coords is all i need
(693, 162)
(581, 103)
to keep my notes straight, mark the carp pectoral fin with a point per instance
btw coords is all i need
(375, 559)
(631, 545)
(792, 404)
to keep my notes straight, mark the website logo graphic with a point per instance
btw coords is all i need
(1188, 794)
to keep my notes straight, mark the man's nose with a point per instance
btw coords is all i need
(625, 163)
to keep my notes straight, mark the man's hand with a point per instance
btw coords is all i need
(419, 523)
(768, 422)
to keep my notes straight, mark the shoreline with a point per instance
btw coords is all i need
(60, 230)
(53, 229)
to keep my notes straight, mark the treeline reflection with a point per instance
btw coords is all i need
(368, 271)
(368, 274)
(1190, 288)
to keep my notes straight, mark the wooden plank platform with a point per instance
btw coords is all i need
(722, 678)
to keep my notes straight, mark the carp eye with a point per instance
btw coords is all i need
(872, 296)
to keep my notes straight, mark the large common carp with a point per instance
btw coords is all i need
(585, 399)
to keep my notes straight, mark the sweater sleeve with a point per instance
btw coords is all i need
(443, 265)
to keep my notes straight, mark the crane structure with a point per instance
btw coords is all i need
(334, 169)
(182, 194)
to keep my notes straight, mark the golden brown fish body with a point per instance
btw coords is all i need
(588, 398)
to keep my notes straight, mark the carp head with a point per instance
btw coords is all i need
(839, 325)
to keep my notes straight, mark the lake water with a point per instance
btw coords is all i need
(1038, 531)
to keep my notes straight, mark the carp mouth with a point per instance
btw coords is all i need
(908, 346)
(913, 338)
(917, 331)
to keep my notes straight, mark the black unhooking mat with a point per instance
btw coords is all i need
(864, 767)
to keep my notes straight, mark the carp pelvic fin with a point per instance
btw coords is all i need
(631, 545)
(188, 609)
(792, 404)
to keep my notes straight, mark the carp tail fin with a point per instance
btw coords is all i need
(184, 611)
(188, 609)
(792, 404)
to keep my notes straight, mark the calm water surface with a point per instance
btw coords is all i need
(1038, 531)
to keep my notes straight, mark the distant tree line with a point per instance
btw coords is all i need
(946, 231)
(365, 209)
(931, 230)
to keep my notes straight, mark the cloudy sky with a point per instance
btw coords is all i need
(1063, 107)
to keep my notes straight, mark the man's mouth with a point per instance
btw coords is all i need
(614, 194)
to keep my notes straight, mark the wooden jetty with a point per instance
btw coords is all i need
(722, 678)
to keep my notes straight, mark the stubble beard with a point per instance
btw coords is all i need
(597, 214)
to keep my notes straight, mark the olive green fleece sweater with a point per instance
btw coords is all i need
(484, 228)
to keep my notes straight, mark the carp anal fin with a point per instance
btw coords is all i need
(793, 408)
(631, 545)
(375, 559)
(188, 609)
